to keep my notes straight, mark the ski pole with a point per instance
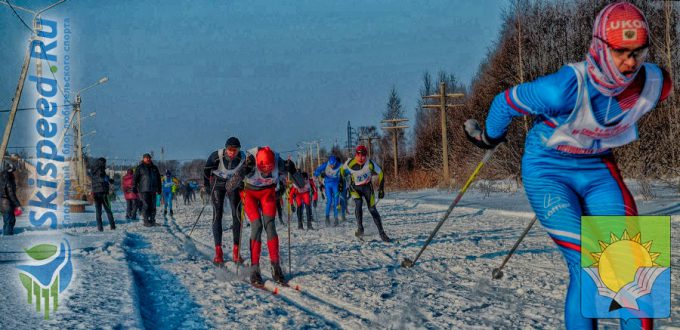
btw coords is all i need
(240, 231)
(497, 273)
(290, 270)
(408, 263)
(203, 208)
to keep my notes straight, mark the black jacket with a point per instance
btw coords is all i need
(212, 164)
(148, 178)
(8, 189)
(100, 181)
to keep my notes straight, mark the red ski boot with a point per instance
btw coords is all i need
(219, 257)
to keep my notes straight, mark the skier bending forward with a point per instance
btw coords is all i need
(260, 175)
(584, 110)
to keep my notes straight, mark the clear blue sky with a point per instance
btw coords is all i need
(188, 74)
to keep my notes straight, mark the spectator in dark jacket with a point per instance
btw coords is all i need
(130, 192)
(148, 183)
(101, 183)
(9, 204)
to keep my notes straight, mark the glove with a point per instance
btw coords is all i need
(474, 133)
(18, 211)
(314, 203)
(289, 166)
(292, 208)
(381, 194)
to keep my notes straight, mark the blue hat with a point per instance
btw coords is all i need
(332, 160)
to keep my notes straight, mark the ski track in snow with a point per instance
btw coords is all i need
(160, 278)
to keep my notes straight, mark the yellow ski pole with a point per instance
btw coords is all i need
(408, 263)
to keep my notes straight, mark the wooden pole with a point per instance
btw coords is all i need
(15, 105)
(445, 141)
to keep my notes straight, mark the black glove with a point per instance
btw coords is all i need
(250, 161)
(381, 193)
(292, 208)
(314, 203)
(478, 137)
(289, 166)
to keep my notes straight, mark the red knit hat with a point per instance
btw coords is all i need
(265, 159)
(622, 25)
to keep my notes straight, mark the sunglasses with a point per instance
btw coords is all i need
(639, 54)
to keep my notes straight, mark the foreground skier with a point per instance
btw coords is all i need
(260, 174)
(585, 109)
(221, 165)
(361, 171)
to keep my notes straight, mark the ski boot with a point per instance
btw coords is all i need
(237, 255)
(328, 222)
(300, 225)
(277, 274)
(165, 212)
(256, 277)
(384, 238)
(344, 219)
(335, 224)
(219, 257)
(309, 225)
(172, 213)
(359, 233)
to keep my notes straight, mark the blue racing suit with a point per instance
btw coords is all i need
(568, 173)
(331, 175)
(168, 185)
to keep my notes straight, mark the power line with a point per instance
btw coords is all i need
(24, 109)
(19, 17)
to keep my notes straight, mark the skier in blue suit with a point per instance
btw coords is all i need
(330, 172)
(582, 112)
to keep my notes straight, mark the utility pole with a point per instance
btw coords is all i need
(442, 107)
(318, 154)
(22, 79)
(369, 139)
(395, 127)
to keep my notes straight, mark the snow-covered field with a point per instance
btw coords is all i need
(159, 278)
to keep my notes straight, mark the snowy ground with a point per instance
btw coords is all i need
(159, 278)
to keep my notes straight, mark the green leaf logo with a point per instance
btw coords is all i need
(42, 251)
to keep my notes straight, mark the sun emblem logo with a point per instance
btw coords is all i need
(625, 269)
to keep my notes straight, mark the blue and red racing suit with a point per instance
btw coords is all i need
(567, 167)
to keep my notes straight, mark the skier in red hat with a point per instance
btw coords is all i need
(260, 175)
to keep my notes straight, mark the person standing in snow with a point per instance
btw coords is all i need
(148, 183)
(360, 171)
(585, 110)
(221, 165)
(9, 203)
(260, 175)
(130, 194)
(329, 172)
(169, 184)
(299, 198)
(186, 193)
(101, 184)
